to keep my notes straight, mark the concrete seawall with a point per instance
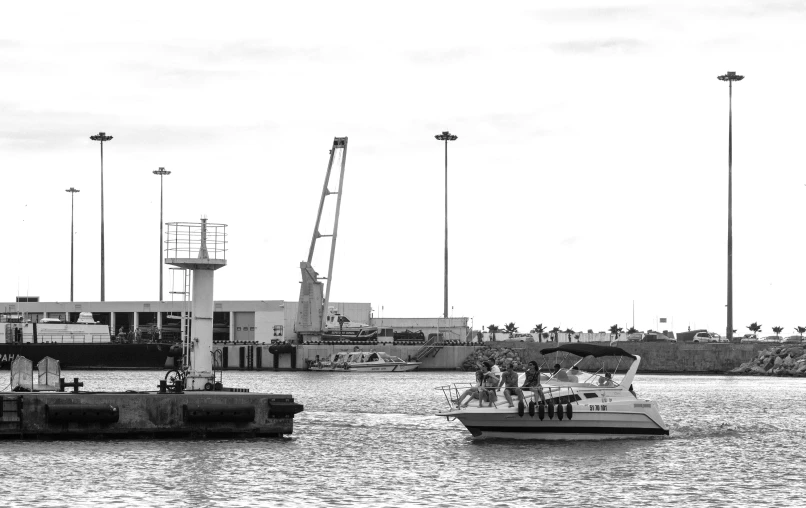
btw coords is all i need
(658, 357)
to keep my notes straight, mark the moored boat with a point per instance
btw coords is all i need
(84, 344)
(338, 327)
(363, 361)
(575, 404)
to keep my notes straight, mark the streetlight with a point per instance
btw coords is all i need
(161, 172)
(730, 77)
(72, 192)
(446, 136)
(101, 136)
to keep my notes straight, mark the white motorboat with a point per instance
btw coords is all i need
(595, 405)
(338, 327)
(363, 361)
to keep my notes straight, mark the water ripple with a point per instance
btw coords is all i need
(374, 440)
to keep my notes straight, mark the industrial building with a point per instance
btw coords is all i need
(259, 321)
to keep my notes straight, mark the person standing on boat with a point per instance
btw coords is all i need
(509, 381)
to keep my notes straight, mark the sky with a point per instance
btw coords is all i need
(587, 187)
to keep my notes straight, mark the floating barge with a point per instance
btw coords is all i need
(54, 415)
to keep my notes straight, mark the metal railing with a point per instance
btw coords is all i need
(192, 240)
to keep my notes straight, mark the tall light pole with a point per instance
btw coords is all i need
(446, 136)
(161, 172)
(730, 77)
(72, 192)
(101, 136)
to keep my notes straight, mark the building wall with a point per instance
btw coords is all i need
(451, 328)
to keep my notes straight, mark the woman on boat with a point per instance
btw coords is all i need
(490, 385)
(473, 391)
(531, 380)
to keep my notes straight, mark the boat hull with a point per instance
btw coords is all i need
(486, 423)
(368, 368)
(91, 356)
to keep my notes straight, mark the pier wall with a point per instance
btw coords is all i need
(659, 357)
(662, 357)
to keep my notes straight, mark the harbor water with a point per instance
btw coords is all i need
(373, 439)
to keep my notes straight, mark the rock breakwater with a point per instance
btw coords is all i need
(501, 356)
(776, 361)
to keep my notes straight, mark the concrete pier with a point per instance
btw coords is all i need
(66, 415)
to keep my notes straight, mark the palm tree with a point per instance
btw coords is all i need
(777, 329)
(800, 330)
(538, 329)
(510, 328)
(493, 329)
(632, 330)
(570, 333)
(555, 331)
(755, 328)
(615, 330)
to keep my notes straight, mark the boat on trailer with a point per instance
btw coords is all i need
(364, 361)
(575, 404)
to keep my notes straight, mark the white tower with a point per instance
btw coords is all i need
(200, 248)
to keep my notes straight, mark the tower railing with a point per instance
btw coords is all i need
(190, 240)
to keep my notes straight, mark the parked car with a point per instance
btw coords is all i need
(658, 337)
(748, 338)
(715, 337)
(793, 339)
(635, 337)
(702, 337)
(771, 339)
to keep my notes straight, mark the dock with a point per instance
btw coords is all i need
(197, 414)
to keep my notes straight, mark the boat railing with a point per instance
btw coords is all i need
(453, 391)
(73, 338)
(544, 393)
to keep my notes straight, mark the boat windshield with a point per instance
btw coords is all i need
(575, 375)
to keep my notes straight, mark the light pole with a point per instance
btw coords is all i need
(161, 172)
(101, 136)
(72, 192)
(446, 136)
(730, 77)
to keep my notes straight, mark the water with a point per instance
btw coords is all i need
(372, 439)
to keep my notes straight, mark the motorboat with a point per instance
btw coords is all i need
(572, 404)
(363, 361)
(338, 327)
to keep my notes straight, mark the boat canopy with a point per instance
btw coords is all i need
(584, 350)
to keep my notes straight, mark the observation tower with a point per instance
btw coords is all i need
(200, 248)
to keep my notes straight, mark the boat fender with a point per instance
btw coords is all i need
(569, 410)
(541, 410)
(208, 386)
(520, 408)
(551, 410)
(531, 408)
(559, 411)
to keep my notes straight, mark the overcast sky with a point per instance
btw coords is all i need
(590, 172)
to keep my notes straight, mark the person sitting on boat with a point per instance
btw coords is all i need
(532, 380)
(473, 391)
(559, 374)
(607, 380)
(509, 381)
(488, 393)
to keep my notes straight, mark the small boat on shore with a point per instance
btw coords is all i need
(363, 361)
(338, 327)
(574, 404)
